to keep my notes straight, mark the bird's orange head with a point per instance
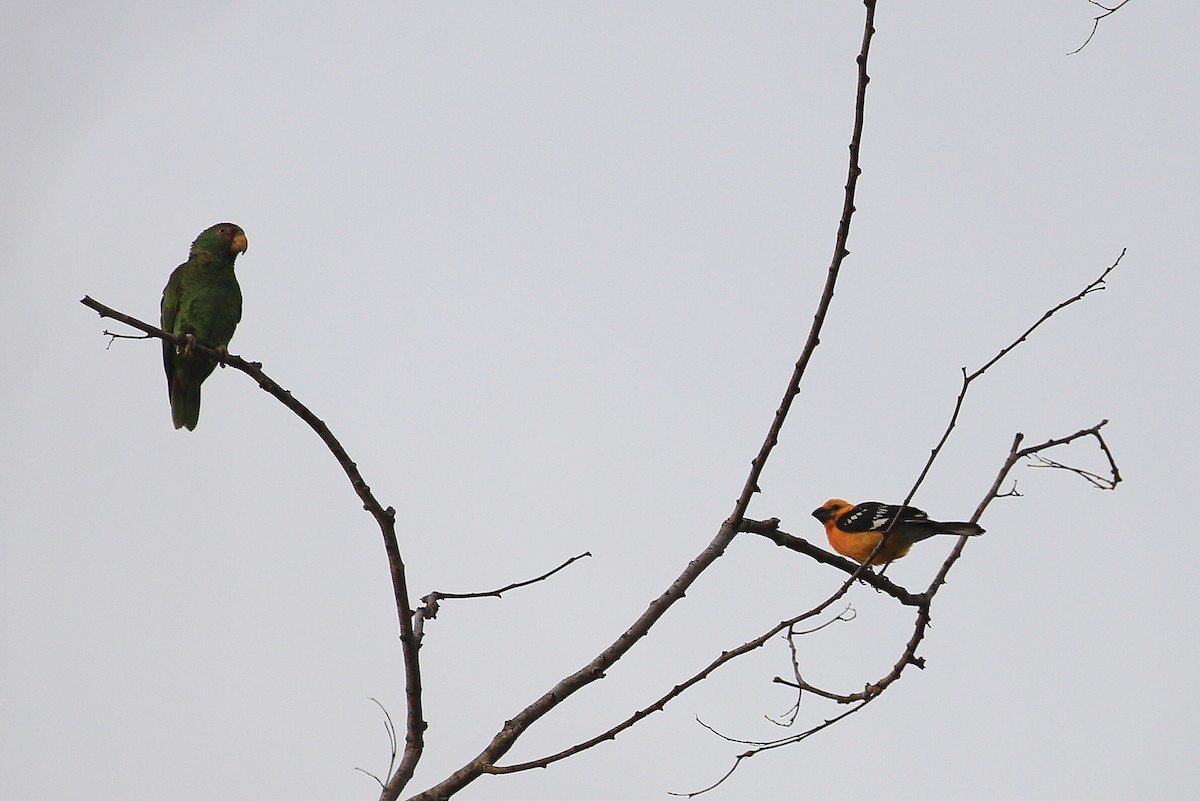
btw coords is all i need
(832, 509)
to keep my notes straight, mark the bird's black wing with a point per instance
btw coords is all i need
(874, 516)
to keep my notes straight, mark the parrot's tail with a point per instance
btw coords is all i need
(185, 403)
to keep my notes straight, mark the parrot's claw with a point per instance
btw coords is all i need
(223, 352)
(186, 350)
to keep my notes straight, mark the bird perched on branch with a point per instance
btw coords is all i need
(203, 302)
(855, 530)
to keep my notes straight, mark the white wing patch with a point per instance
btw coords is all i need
(880, 516)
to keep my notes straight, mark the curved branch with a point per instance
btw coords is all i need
(767, 746)
(839, 254)
(500, 744)
(431, 603)
(1096, 22)
(414, 743)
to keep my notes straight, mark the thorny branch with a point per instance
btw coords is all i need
(414, 741)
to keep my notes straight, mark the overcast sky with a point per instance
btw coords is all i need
(544, 269)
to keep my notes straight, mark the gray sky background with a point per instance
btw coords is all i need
(544, 269)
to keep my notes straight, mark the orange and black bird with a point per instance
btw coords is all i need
(855, 530)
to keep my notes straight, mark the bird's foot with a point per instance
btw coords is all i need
(186, 350)
(222, 355)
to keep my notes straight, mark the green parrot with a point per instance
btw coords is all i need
(203, 302)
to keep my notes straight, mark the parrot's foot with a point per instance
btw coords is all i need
(223, 353)
(186, 350)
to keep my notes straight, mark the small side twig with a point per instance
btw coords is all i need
(1096, 22)
(1097, 481)
(113, 337)
(515, 585)
(845, 616)
(390, 728)
(431, 603)
(767, 746)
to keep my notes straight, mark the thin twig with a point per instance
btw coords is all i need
(113, 337)
(740, 758)
(390, 728)
(1097, 481)
(513, 586)
(1096, 22)
(431, 603)
(385, 518)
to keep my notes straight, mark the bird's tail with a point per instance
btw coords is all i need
(185, 402)
(959, 529)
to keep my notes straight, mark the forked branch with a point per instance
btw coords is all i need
(414, 741)
(1096, 21)
(500, 744)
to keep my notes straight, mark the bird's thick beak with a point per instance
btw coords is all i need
(821, 513)
(239, 244)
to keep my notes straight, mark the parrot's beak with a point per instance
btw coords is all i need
(239, 244)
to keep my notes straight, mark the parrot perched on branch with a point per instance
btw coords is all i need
(203, 302)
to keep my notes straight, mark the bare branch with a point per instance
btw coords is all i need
(497, 593)
(113, 337)
(1095, 286)
(512, 729)
(736, 762)
(923, 601)
(431, 603)
(1097, 481)
(800, 545)
(772, 745)
(799, 683)
(845, 616)
(968, 378)
(385, 518)
(724, 658)
(770, 530)
(909, 657)
(1096, 22)
(839, 254)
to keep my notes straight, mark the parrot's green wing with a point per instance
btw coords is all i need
(170, 307)
(202, 300)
